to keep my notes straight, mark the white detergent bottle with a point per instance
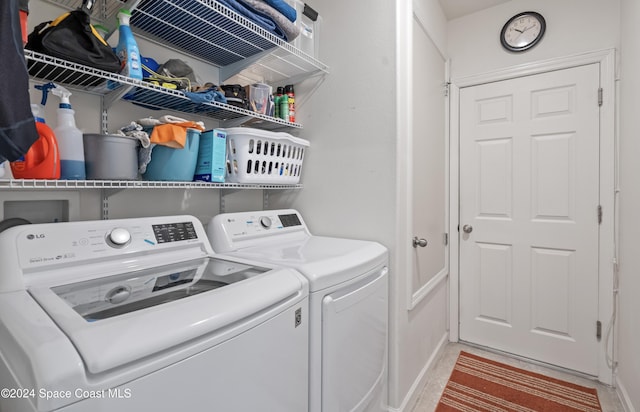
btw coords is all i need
(127, 49)
(69, 139)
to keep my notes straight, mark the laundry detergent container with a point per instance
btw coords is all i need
(110, 157)
(172, 164)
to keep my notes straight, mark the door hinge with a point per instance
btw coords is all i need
(598, 330)
(446, 239)
(600, 98)
(599, 214)
(446, 88)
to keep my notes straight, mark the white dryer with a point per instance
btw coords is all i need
(348, 301)
(139, 315)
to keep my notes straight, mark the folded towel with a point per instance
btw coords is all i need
(206, 96)
(173, 134)
(149, 122)
(291, 31)
(169, 135)
(259, 18)
(181, 122)
(284, 9)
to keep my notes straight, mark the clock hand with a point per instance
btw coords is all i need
(519, 31)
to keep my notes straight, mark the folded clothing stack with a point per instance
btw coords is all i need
(275, 16)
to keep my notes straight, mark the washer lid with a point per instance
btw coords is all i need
(324, 261)
(123, 318)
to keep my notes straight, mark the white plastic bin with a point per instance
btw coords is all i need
(309, 39)
(264, 157)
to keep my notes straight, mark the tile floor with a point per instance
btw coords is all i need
(430, 395)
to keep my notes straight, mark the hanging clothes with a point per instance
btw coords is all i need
(17, 126)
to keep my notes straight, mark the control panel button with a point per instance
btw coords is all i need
(265, 222)
(119, 237)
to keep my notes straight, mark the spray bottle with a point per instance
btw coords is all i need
(127, 49)
(69, 138)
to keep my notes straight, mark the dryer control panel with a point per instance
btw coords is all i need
(231, 231)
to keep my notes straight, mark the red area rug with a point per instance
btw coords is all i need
(479, 384)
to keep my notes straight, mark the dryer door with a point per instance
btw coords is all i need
(354, 345)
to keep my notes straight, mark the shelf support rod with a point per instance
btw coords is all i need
(105, 194)
(222, 204)
(105, 205)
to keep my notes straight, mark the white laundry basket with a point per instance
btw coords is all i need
(263, 157)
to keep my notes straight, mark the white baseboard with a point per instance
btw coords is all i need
(624, 396)
(416, 388)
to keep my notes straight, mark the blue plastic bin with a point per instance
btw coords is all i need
(172, 164)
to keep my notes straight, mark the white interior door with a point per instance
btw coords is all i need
(529, 195)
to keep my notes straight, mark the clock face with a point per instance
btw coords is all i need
(522, 31)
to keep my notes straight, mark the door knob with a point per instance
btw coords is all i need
(419, 242)
(467, 228)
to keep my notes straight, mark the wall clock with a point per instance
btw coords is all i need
(523, 31)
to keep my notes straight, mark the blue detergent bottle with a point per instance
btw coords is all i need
(127, 49)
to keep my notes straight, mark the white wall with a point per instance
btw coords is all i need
(573, 26)
(628, 330)
(349, 170)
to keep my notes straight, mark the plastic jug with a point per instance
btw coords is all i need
(42, 161)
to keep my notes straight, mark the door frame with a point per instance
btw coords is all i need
(608, 185)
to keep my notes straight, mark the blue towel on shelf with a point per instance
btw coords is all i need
(206, 96)
(255, 16)
(284, 8)
(290, 30)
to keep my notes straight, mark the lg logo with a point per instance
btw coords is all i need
(38, 236)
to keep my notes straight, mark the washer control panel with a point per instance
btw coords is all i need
(71, 242)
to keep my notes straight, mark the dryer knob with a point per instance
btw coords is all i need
(119, 237)
(265, 222)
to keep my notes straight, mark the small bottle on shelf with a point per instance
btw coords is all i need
(284, 106)
(277, 101)
(291, 103)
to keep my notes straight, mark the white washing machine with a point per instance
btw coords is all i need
(348, 298)
(139, 315)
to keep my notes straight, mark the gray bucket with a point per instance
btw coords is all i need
(110, 157)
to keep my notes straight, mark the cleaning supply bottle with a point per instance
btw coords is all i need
(284, 107)
(291, 100)
(42, 160)
(69, 138)
(277, 101)
(127, 49)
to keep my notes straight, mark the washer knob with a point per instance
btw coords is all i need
(265, 222)
(119, 237)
